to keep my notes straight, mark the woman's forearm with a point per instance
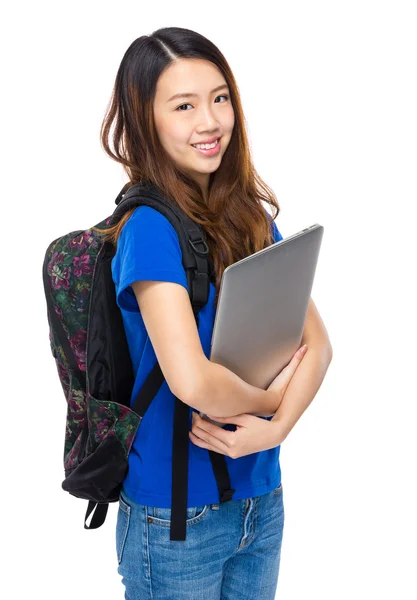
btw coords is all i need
(225, 394)
(302, 388)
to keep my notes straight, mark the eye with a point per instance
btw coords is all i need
(223, 96)
(178, 108)
(187, 104)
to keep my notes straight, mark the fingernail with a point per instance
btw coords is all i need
(303, 348)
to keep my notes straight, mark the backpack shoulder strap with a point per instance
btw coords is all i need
(195, 252)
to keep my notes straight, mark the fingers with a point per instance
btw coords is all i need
(202, 444)
(212, 434)
(298, 357)
(301, 351)
(236, 420)
(290, 369)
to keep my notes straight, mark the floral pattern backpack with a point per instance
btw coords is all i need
(94, 366)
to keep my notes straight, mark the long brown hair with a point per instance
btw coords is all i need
(234, 220)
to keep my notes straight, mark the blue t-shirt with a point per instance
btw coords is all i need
(148, 248)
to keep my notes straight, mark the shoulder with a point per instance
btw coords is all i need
(148, 248)
(276, 234)
(150, 222)
(147, 215)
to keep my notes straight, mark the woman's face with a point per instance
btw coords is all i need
(204, 114)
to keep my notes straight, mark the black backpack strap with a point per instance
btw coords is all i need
(98, 517)
(180, 444)
(195, 258)
(122, 192)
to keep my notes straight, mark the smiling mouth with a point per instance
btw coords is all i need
(210, 145)
(213, 152)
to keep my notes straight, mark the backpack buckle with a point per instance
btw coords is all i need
(199, 252)
(226, 495)
(198, 240)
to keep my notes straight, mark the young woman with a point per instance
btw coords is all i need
(178, 122)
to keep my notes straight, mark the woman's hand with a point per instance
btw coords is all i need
(253, 434)
(281, 381)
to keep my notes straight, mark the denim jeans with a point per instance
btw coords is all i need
(231, 552)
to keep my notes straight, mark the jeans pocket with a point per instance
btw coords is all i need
(122, 527)
(162, 516)
(277, 490)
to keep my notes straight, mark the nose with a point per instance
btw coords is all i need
(207, 120)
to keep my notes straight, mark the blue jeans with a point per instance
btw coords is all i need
(232, 550)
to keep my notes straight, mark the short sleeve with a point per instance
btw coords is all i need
(148, 248)
(276, 233)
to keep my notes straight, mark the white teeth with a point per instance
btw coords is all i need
(206, 146)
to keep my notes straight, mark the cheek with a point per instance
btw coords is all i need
(179, 137)
(227, 124)
(230, 121)
(173, 131)
(169, 133)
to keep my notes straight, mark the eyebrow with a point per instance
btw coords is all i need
(189, 95)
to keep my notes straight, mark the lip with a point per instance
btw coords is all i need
(212, 151)
(210, 140)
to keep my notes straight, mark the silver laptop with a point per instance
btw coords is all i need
(262, 308)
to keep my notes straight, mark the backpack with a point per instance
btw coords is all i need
(89, 345)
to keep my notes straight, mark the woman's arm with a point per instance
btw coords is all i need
(309, 375)
(226, 394)
(254, 434)
(302, 388)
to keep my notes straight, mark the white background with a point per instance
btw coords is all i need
(329, 94)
